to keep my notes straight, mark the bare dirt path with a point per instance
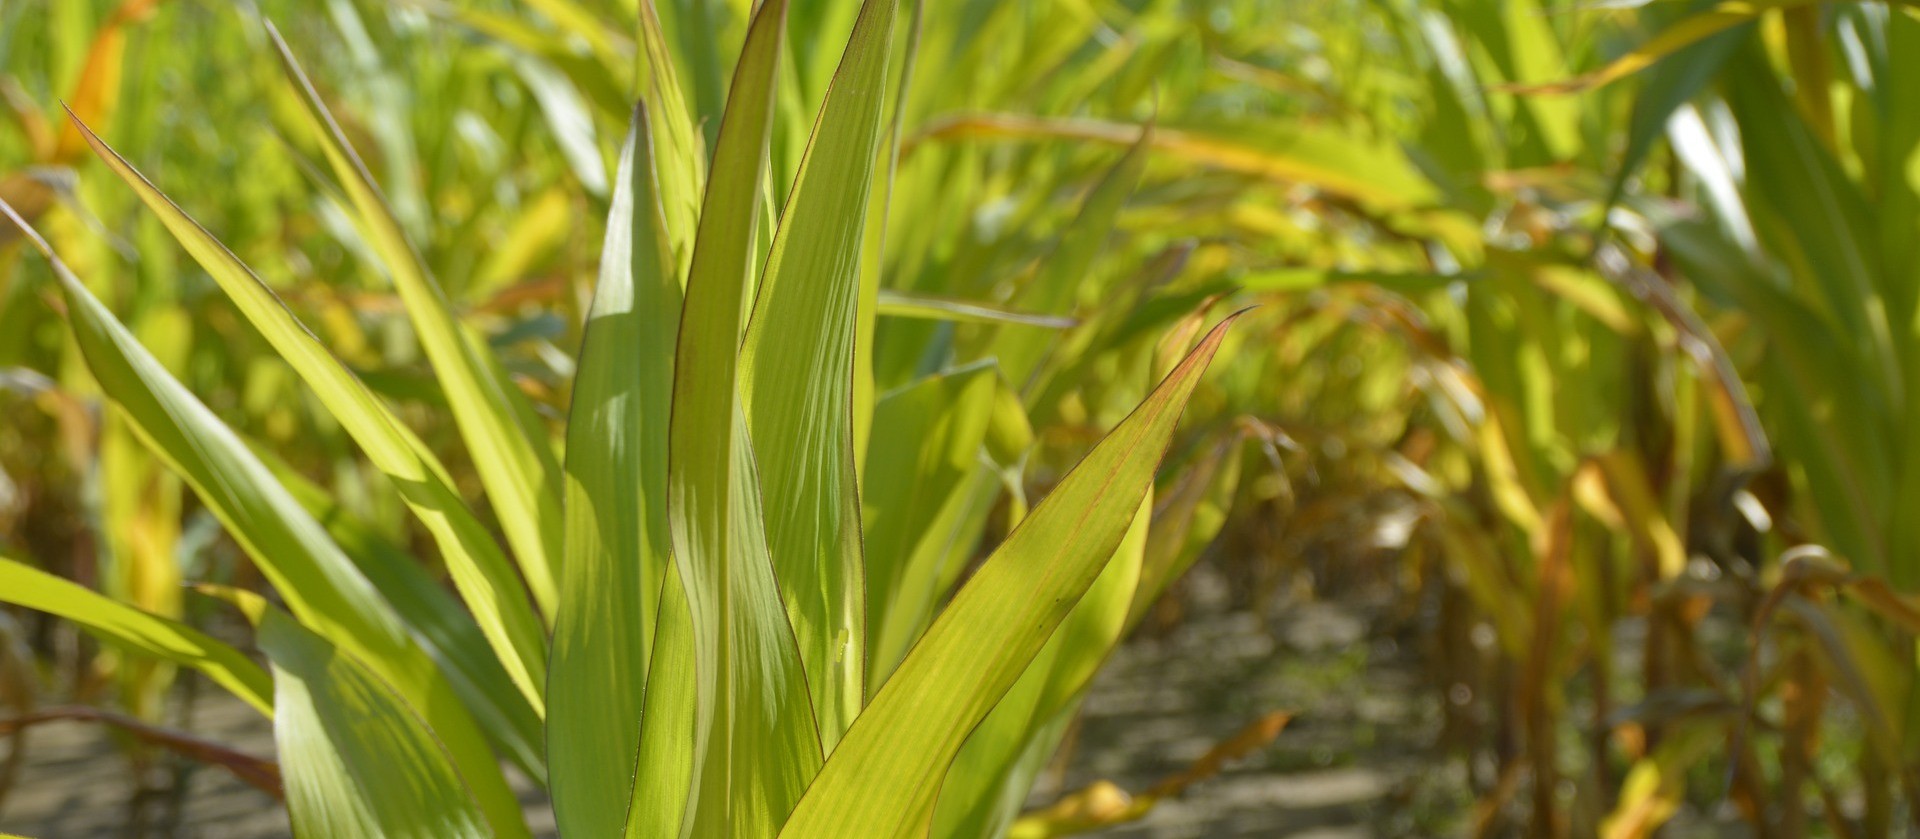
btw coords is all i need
(1356, 761)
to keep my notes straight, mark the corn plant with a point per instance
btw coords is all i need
(1608, 459)
(698, 552)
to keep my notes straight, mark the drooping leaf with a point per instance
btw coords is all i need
(1329, 161)
(480, 570)
(316, 580)
(128, 628)
(517, 467)
(1683, 33)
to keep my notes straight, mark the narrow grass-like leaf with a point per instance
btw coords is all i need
(517, 469)
(317, 581)
(128, 628)
(568, 120)
(882, 781)
(926, 442)
(874, 249)
(1376, 175)
(595, 79)
(617, 552)
(988, 784)
(902, 304)
(436, 621)
(355, 759)
(1054, 289)
(755, 741)
(797, 366)
(680, 154)
(663, 774)
(480, 570)
(1685, 32)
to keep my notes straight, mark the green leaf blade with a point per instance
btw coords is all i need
(480, 570)
(798, 379)
(317, 581)
(356, 760)
(990, 778)
(617, 544)
(755, 742)
(517, 468)
(126, 627)
(883, 779)
(925, 445)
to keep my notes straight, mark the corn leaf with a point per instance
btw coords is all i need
(883, 779)
(481, 572)
(990, 778)
(755, 743)
(355, 759)
(874, 248)
(1685, 32)
(436, 621)
(1055, 288)
(317, 581)
(903, 304)
(679, 150)
(127, 628)
(663, 775)
(616, 470)
(926, 443)
(1377, 175)
(797, 369)
(517, 468)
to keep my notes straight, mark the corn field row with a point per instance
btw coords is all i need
(763, 419)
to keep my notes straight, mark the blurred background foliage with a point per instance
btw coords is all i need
(1591, 330)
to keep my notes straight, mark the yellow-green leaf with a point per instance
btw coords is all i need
(481, 572)
(355, 759)
(316, 580)
(926, 443)
(994, 770)
(755, 744)
(128, 628)
(882, 780)
(517, 468)
(902, 304)
(797, 369)
(617, 552)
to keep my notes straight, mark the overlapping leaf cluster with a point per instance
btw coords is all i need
(1595, 321)
(699, 561)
